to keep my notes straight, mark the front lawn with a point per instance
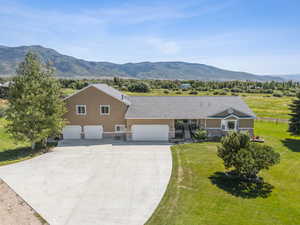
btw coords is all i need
(199, 194)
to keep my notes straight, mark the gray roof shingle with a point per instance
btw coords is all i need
(113, 92)
(183, 107)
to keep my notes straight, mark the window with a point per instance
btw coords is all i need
(81, 109)
(229, 124)
(120, 128)
(104, 109)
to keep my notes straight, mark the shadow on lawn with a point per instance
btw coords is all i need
(17, 153)
(24, 152)
(292, 144)
(241, 188)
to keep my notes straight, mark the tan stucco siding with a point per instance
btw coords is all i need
(213, 123)
(93, 98)
(169, 122)
(246, 123)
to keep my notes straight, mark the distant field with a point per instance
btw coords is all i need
(271, 107)
(68, 91)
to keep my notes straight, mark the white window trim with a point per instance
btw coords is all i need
(226, 125)
(120, 125)
(80, 114)
(231, 115)
(105, 114)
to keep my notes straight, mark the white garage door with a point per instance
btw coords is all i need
(150, 132)
(72, 132)
(93, 132)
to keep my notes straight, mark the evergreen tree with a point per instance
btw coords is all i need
(294, 123)
(246, 158)
(35, 105)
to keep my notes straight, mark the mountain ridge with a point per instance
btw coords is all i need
(72, 67)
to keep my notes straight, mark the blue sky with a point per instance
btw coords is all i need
(258, 36)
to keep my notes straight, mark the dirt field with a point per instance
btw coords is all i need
(14, 211)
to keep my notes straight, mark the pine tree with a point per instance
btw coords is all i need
(294, 123)
(35, 105)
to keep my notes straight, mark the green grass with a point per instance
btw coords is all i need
(268, 106)
(197, 195)
(68, 91)
(12, 152)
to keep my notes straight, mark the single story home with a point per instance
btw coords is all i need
(99, 110)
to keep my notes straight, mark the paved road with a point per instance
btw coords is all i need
(94, 183)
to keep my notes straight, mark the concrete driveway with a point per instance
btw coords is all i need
(94, 183)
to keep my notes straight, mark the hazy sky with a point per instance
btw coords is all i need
(258, 36)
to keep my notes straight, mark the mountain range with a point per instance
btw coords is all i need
(294, 77)
(71, 67)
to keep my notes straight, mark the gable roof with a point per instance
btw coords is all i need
(107, 90)
(184, 107)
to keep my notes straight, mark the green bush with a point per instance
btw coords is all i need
(245, 157)
(139, 87)
(3, 110)
(200, 135)
(166, 92)
(193, 92)
(178, 93)
(278, 94)
(220, 93)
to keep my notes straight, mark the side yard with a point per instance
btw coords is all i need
(198, 192)
(12, 152)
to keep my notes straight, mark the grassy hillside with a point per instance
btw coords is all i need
(199, 194)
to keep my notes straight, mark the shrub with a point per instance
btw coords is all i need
(178, 93)
(278, 94)
(236, 90)
(193, 93)
(200, 135)
(139, 87)
(3, 110)
(166, 92)
(245, 157)
(220, 92)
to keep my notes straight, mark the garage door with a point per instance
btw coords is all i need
(72, 132)
(93, 132)
(150, 132)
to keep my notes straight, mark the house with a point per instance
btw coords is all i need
(98, 111)
(185, 86)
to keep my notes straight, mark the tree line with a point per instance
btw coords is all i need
(278, 89)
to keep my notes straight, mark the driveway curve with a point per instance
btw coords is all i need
(94, 183)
